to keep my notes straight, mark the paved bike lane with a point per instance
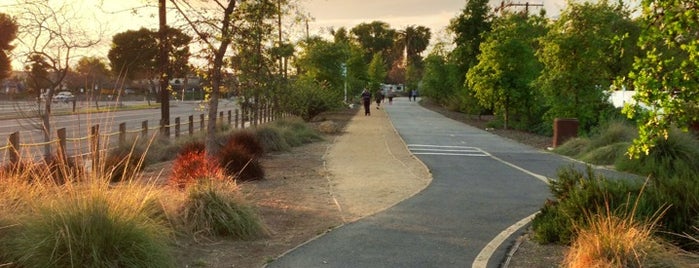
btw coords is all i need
(482, 185)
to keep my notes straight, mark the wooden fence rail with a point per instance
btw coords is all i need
(14, 146)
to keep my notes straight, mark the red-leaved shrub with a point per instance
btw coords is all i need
(192, 164)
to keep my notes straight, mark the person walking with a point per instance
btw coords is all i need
(413, 95)
(379, 98)
(366, 100)
(391, 94)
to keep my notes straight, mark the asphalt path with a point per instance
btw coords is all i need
(485, 188)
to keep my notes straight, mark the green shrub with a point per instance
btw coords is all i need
(214, 208)
(611, 133)
(272, 139)
(307, 98)
(575, 193)
(91, 227)
(573, 147)
(606, 155)
(675, 156)
(678, 195)
(295, 131)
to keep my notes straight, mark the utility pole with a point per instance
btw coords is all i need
(526, 6)
(163, 67)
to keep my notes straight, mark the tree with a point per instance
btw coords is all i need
(51, 37)
(90, 73)
(506, 68)
(665, 76)
(578, 54)
(376, 73)
(216, 35)
(411, 41)
(322, 60)
(468, 29)
(8, 33)
(135, 54)
(374, 37)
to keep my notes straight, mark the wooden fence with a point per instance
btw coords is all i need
(235, 118)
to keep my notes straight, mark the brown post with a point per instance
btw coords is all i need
(191, 125)
(62, 145)
(122, 133)
(144, 129)
(564, 129)
(177, 127)
(220, 117)
(14, 147)
(229, 117)
(237, 115)
(201, 119)
(95, 145)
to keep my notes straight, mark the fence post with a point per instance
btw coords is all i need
(191, 125)
(229, 117)
(61, 133)
(237, 114)
(95, 145)
(144, 129)
(220, 117)
(14, 147)
(201, 118)
(177, 127)
(122, 133)
(255, 115)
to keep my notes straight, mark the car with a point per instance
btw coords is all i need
(63, 96)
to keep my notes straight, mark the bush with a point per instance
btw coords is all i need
(271, 139)
(575, 192)
(675, 156)
(193, 164)
(678, 195)
(245, 141)
(307, 99)
(606, 155)
(123, 162)
(611, 240)
(213, 208)
(573, 147)
(236, 162)
(93, 226)
(50, 169)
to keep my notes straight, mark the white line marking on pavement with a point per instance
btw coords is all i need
(486, 253)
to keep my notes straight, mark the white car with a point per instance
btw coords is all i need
(63, 96)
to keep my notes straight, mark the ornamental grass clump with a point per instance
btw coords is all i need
(91, 224)
(214, 208)
(620, 239)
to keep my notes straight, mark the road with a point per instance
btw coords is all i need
(484, 190)
(78, 125)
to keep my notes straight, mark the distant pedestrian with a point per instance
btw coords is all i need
(379, 98)
(391, 94)
(413, 95)
(366, 100)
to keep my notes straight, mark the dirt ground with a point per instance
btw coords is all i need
(320, 186)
